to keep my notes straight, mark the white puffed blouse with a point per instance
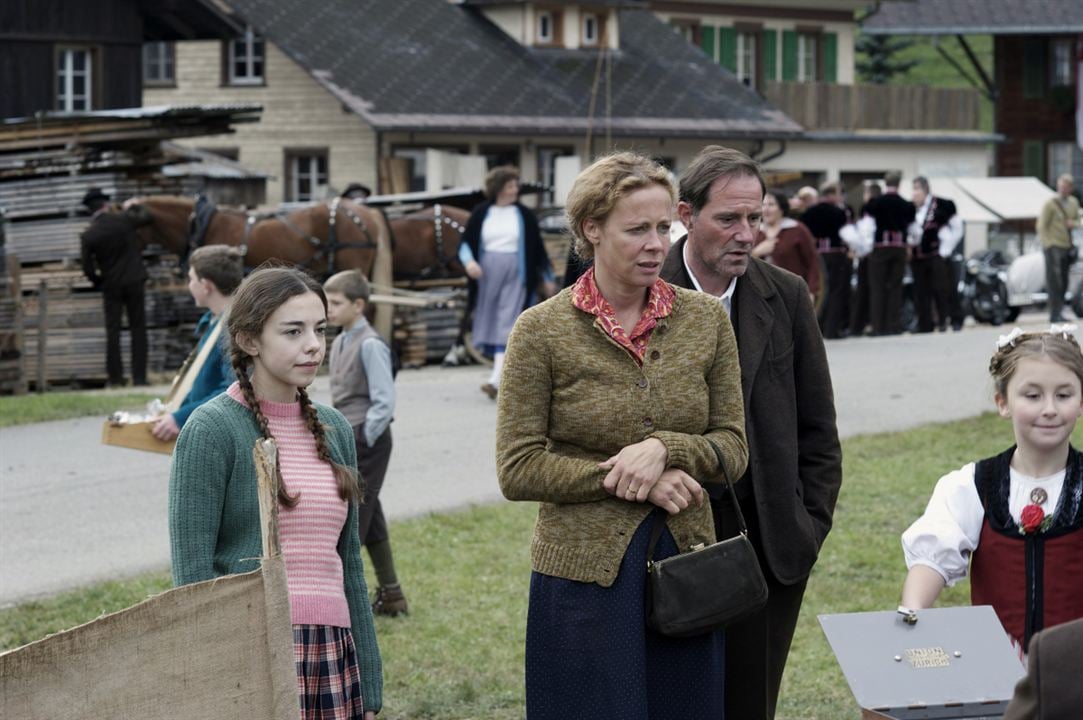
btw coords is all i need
(946, 535)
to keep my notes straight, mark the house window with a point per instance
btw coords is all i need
(807, 57)
(496, 155)
(306, 175)
(158, 63)
(1061, 67)
(746, 58)
(1060, 161)
(591, 30)
(246, 58)
(74, 79)
(547, 27)
(686, 28)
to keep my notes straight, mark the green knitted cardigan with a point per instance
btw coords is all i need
(214, 526)
(570, 397)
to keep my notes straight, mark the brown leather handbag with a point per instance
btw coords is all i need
(704, 590)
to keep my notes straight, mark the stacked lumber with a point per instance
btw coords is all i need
(11, 326)
(45, 168)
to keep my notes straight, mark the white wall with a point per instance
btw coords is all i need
(912, 158)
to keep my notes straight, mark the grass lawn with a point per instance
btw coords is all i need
(460, 652)
(34, 408)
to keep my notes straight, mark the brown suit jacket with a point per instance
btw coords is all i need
(1051, 689)
(794, 458)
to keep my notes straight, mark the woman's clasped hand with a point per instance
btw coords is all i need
(638, 473)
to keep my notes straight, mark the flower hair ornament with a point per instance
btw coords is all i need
(1009, 340)
(1065, 330)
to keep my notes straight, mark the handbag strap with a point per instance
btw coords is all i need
(656, 531)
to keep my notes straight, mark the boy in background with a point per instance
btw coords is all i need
(363, 389)
(214, 272)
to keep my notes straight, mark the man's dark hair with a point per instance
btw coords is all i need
(713, 162)
(892, 179)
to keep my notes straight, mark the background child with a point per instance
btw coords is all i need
(1016, 517)
(363, 389)
(214, 272)
(277, 323)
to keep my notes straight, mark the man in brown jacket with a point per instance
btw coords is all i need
(795, 462)
(1051, 689)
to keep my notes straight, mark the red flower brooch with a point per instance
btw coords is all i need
(1033, 519)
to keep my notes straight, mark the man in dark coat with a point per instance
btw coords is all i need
(113, 262)
(935, 232)
(794, 472)
(887, 219)
(827, 221)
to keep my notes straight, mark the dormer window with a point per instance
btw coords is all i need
(545, 27)
(591, 31)
(547, 30)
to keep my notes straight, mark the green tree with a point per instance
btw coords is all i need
(877, 60)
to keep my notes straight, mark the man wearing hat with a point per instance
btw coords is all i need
(357, 192)
(113, 262)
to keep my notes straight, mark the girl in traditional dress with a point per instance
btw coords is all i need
(276, 329)
(1016, 518)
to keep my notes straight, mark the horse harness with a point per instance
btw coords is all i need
(204, 209)
(443, 261)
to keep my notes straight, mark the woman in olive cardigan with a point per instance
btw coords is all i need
(604, 428)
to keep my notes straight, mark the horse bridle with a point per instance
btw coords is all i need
(443, 260)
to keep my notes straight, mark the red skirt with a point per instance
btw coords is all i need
(328, 678)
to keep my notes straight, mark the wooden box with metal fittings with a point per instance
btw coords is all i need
(926, 664)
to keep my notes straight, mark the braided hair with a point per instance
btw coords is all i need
(263, 292)
(1059, 346)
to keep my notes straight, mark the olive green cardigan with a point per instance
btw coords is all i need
(570, 397)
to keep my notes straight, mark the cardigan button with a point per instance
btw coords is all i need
(642, 382)
(647, 422)
(655, 355)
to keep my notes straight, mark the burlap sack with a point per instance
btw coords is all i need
(217, 649)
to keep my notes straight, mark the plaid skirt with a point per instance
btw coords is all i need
(328, 678)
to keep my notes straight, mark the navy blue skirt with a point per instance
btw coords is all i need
(589, 652)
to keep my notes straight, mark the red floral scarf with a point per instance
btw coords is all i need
(587, 297)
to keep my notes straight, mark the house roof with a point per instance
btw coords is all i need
(976, 17)
(428, 65)
(186, 20)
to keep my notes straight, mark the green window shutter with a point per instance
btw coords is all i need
(831, 57)
(727, 48)
(789, 55)
(707, 35)
(1034, 159)
(1034, 72)
(770, 52)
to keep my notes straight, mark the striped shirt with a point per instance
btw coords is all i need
(309, 532)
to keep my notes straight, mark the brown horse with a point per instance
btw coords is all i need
(302, 237)
(427, 243)
(360, 237)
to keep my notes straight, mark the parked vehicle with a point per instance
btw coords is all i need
(1025, 278)
(985, 288)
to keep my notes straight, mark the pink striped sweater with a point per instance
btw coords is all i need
(308, 532)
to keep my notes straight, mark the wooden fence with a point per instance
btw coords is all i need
(828, 106)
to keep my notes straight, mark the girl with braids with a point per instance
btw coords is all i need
(277, 342)
(1016, 518)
